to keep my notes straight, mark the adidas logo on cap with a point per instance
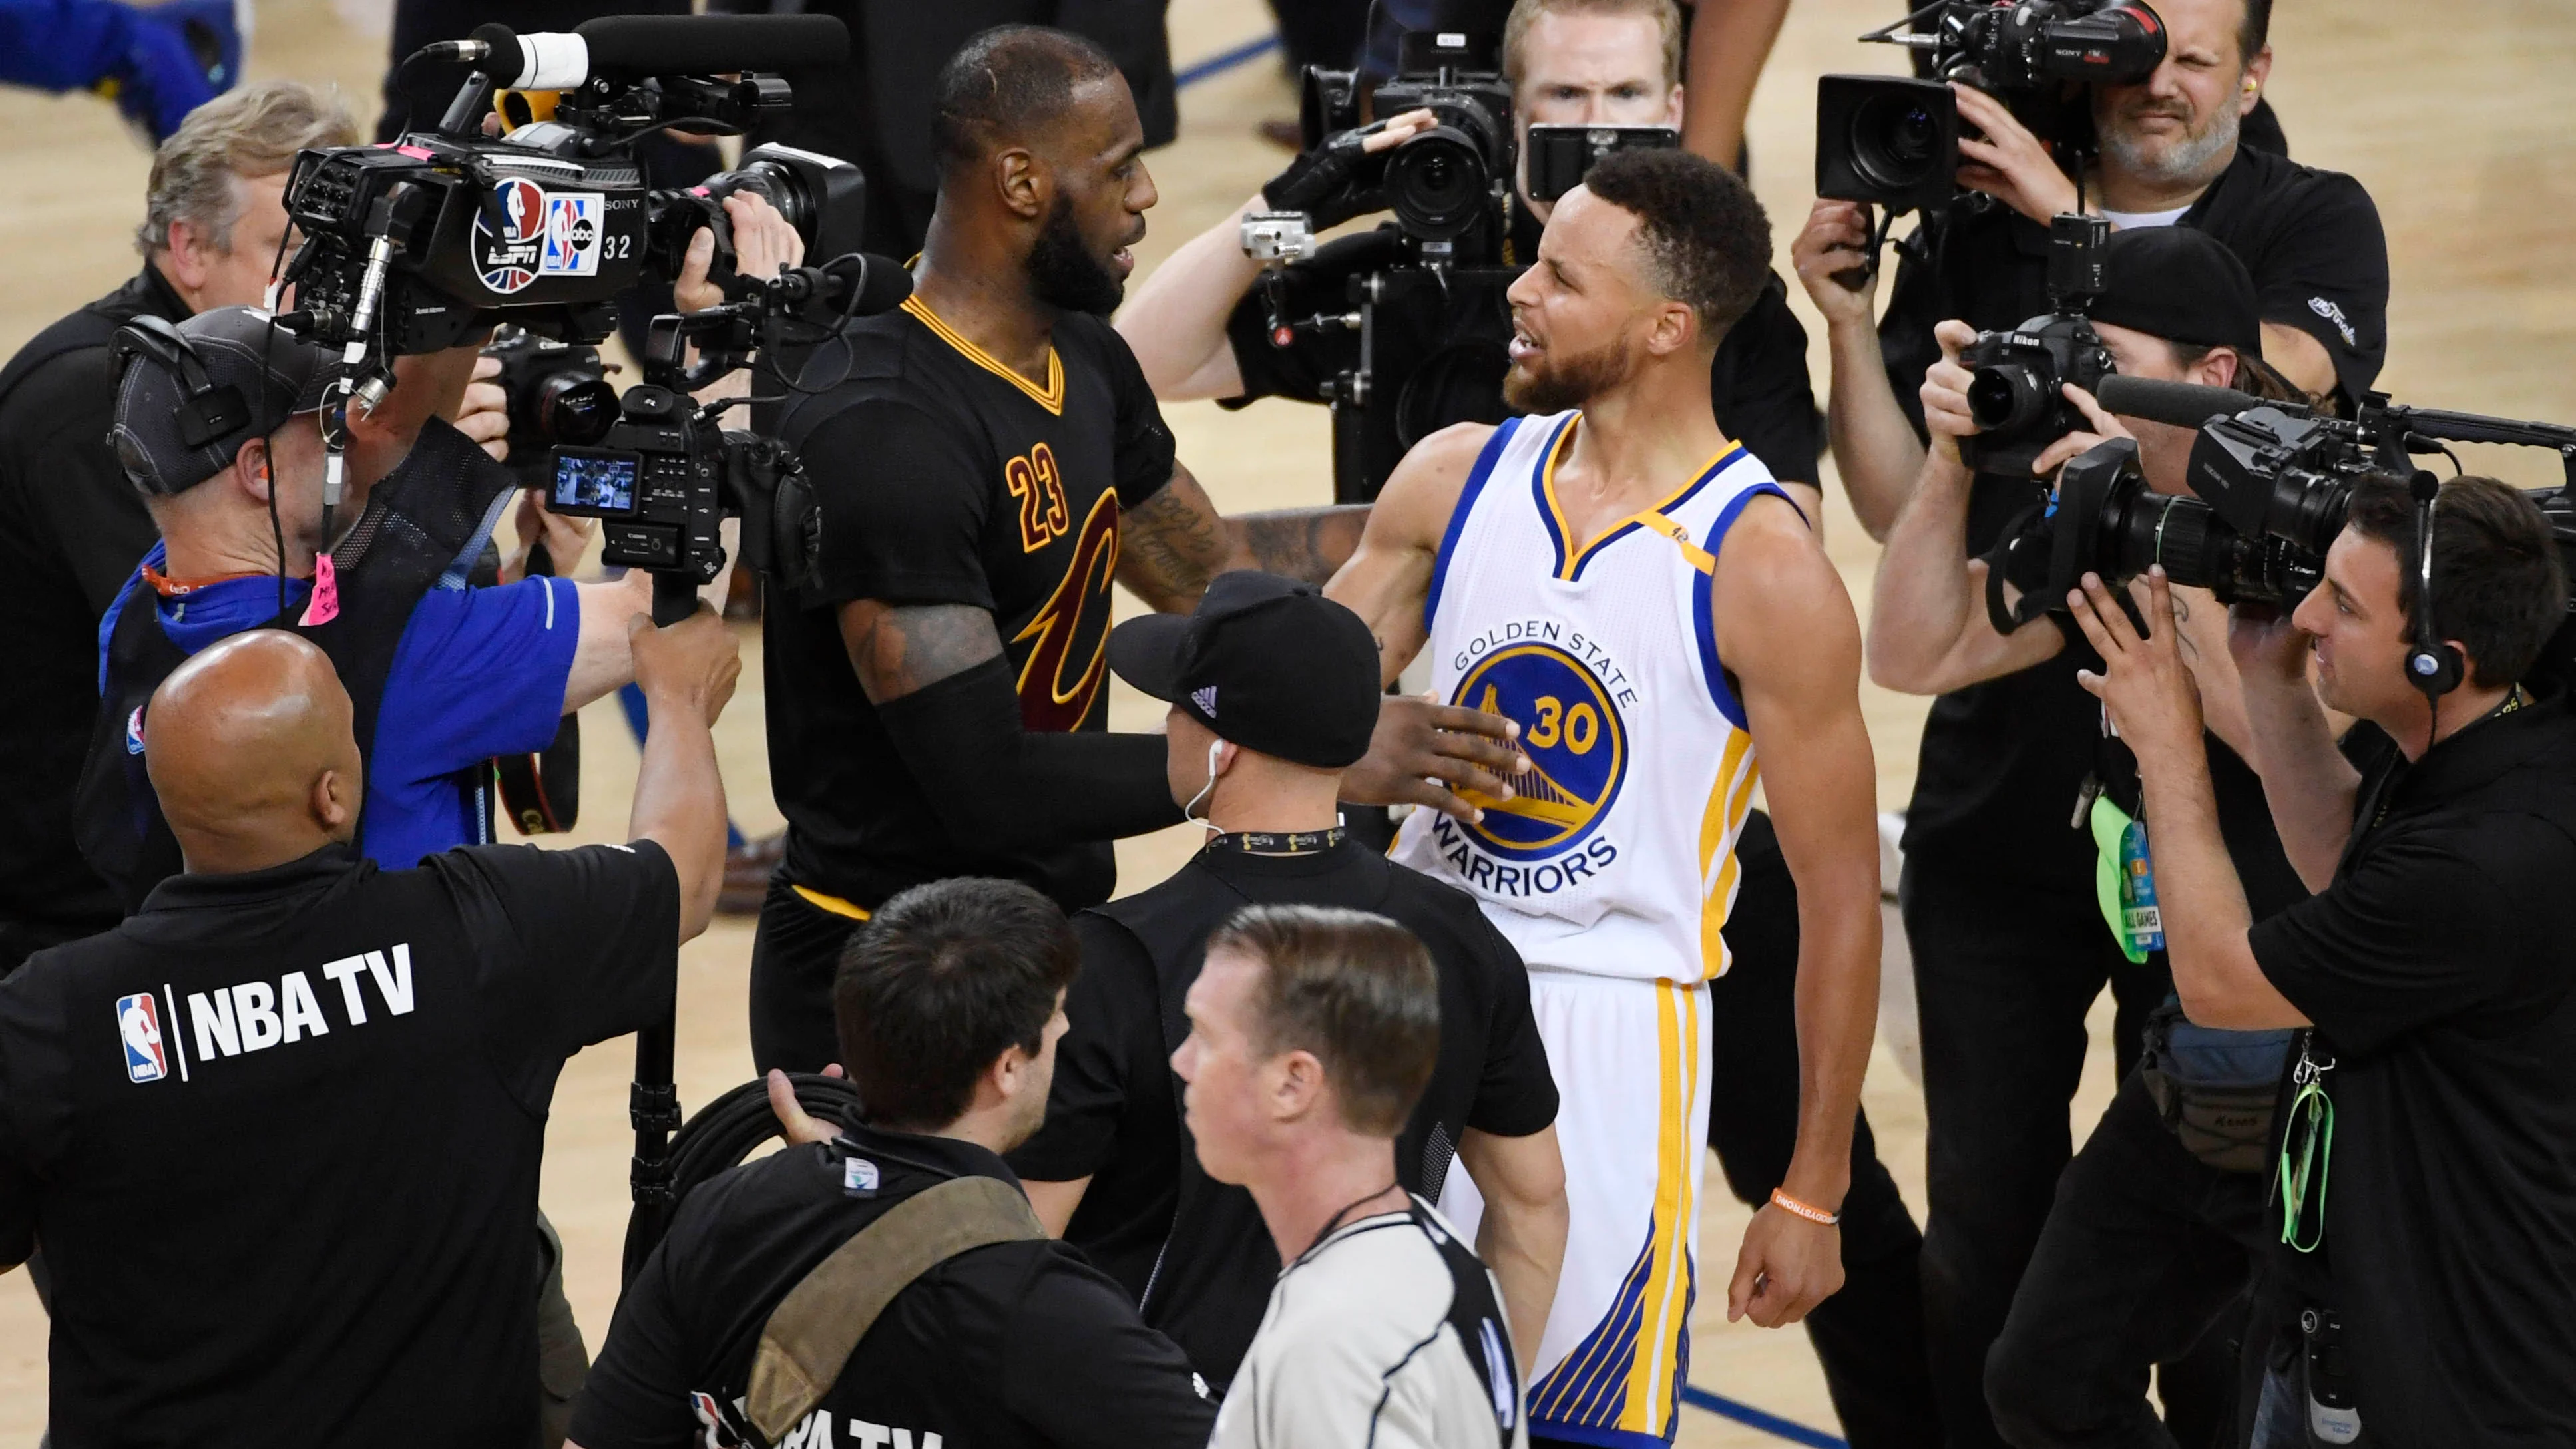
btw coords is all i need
(1205, 698)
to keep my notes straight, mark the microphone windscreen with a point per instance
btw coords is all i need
(2182, 404)
(706, 44)
(878, 284)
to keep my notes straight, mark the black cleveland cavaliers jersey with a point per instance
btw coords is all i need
(945, 478)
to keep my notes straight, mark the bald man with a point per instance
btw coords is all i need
(279, 1131)
(988, 462)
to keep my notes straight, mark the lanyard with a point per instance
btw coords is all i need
(2307, 1150)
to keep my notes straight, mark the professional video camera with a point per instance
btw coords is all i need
(1894, 142)
(2015, 392)
(1450, 189)
(2273, 480)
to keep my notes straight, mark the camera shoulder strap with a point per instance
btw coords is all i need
(814, 1329)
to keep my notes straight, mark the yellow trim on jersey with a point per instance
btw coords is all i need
(1730, 799)
(1654, 517)
(1659, 1324)
(834, 904)
(1051, 397)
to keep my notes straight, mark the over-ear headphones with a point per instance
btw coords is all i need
(210, 410)
(2431, 665)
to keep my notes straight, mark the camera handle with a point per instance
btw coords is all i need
(1855, 278)
(653, 1099)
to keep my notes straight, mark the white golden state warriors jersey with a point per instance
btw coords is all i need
(1617, 855)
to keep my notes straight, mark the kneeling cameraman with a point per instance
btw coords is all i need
(2150, 1240)
(1201, 328)
(2430, 967)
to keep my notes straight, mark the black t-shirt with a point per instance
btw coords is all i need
(72, 528)
(1150, 1216)
(943, 478)
(1019, 1343)
(1439, 358)
(278, 1134)
(1998, 772)
(2438, 972)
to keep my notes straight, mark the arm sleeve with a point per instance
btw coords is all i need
(2326, 274)
(637, 1393)
(1083, 1370)
(1012, 788)
(479, 672)
(576, 946)
(1109, 1004)
(1517, 1094)
(1760, 389)
(903, 496)
(2415, 933)
(1145, 451)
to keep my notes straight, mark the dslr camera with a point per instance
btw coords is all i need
(2272, 484)
(1894, 142)
(2015, 391)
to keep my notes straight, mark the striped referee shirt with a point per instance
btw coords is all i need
(1388, 1334)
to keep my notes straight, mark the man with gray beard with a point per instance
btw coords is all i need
(1998, 889)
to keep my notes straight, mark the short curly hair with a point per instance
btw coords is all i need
(254, 131)
(1706, 239)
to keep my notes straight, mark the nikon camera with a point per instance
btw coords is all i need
(2015, 392)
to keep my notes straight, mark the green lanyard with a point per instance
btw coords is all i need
(2307, 1149)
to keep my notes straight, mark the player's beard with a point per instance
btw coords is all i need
(1064, 274)
(2170, 160)
(1561, 383)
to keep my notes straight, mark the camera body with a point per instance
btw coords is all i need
(2017, 376)
(1893, 142)
(1560, 155)
(662, 479)
(544, 226)
(1444, 180)
(558, 394)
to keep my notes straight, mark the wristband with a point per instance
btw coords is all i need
(1815, 1215)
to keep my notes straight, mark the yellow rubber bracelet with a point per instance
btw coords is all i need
(1812, 1214)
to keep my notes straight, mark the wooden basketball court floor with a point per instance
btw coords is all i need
(2452, 112)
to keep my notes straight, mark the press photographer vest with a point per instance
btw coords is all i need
(430, 517)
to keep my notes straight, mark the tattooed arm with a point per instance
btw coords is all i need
(947, 699)
(1173, 543)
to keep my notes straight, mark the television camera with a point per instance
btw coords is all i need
(2272, 483)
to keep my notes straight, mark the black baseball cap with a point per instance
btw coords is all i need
(2182, 285)
(258, 372)
(1266, 662)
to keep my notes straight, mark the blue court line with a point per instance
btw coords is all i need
(1226, 60)
(1746, 1414)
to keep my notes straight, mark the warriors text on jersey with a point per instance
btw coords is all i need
(1616, 857)
(945, 478)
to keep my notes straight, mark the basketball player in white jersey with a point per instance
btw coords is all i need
(1634, 591)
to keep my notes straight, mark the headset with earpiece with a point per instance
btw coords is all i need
(210, 410)
(2432, 665)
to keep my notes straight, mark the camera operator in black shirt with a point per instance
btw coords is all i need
(2436, 1080)
(1273, 691)
(354, 1063)
(71, 526)
(1201, 324)
(2148, 1241)
(1998, 892)
(985, 462)
(950, 1004)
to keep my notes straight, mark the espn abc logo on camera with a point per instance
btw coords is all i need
(544, 234)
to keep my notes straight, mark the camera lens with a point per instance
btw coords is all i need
(576, 408)
(1895, 141)
(2200, 551)
(1436, 183)
(2006, 400)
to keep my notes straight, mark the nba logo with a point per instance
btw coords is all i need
(139, 1023)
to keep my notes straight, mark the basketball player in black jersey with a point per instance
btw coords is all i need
(991, 462)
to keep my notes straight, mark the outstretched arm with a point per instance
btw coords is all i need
(1786, 629)
(947, 699)
(1172, 544)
